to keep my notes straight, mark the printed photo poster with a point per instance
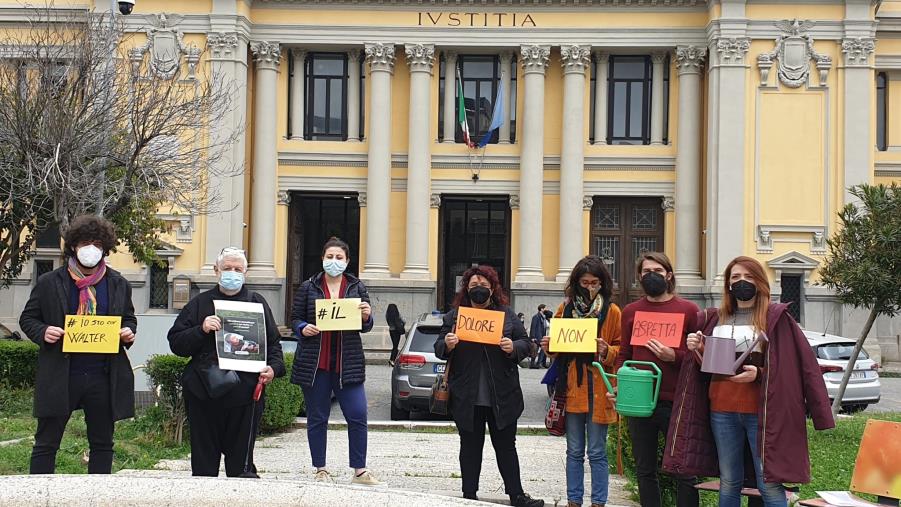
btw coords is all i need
(241, 343)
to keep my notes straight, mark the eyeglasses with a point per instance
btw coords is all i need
(231, 249)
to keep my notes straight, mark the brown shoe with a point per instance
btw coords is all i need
(573, 504)
(597, 505)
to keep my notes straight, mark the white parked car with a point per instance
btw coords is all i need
(833, 354)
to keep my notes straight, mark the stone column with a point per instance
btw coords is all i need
(378, 184)
(602, 61)
(535, 60)
(297, 93)
(658, 59)
(450, 95)
(420, 59)
(689, 60)
(266, 55)
(507, 70)
(858, 98)
(575, 61)
(225, 226)
(353, 95)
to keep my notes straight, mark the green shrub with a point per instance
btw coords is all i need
(18, 363)
(165, 380)
(284, 401)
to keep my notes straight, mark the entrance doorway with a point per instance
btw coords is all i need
(474, 230)
(621, 229)
(312, 219)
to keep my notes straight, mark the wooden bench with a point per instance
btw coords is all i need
(753, 494)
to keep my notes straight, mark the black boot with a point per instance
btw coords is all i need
(470, 496)
(524, 500)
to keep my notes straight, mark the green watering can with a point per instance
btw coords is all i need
(638, 389)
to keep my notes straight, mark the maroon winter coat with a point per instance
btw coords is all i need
(791, 386)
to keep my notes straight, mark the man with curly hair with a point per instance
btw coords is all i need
(102, 385)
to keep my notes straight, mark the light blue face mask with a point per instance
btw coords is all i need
(231, 280)
(334, 267)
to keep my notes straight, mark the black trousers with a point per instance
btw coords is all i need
(395, 342)
(91, 393)
(644, 432)
(504, 442)
(215, 431)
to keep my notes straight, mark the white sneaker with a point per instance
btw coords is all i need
(322, 475)
(366, 479)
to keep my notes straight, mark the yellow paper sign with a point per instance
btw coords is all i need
(92, 333)
(481, 326)
(339, 314)
(574, 335)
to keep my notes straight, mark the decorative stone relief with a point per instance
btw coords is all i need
(435, 201)
(601, 57)
(183, 226)
(587, 202)
(689, 59)
(353, 56)
(817, 237)
(514, 201)
(284, 198)
(732, 51)
(420, 57)
(575, 58)
(535, 58)
(380, 56)
(668, 203)
(266, 54)
(221, 44)
(857, 51)
(794, 50)
(166, 47)
(361, 199)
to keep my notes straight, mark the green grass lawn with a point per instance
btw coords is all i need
(139, 443)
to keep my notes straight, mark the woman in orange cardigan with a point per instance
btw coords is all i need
(588, 412)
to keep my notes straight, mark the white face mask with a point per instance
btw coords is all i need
(89, 256)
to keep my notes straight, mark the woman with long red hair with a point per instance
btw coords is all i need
(762, 407)
(484, 384)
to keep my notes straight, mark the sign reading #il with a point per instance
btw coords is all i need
(341, 314)
(98, 334)
(573, 335)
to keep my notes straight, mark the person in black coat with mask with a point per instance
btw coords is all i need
(484, 385)
(222, 418)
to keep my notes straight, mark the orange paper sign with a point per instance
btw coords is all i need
(481, 326)
(878, 469)
(663, 327)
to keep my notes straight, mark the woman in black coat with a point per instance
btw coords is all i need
(332, 362)
(222, 419)
(396, 328)
(484, 385)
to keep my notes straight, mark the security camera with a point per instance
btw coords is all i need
(126, 6)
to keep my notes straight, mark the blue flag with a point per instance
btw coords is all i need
(497, 117)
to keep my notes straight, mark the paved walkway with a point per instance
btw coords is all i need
(424, 462)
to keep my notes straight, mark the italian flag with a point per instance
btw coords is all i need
(461, 111)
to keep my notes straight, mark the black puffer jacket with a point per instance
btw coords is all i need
(467, 361)
(303, 312)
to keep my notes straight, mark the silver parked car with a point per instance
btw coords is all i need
(833, 354)
(416, 367)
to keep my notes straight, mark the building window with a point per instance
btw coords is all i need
(481, 76)
(49, 238)
(666, 73)
(629, 99)
(41, 267)
(326, 101)
(159, 284)
(791, 294)
(881, 111)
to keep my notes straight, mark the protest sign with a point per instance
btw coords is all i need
(573, 335)
(480, 326)
(339, 314)
(663, 327)
(241, 343)
(98, 334)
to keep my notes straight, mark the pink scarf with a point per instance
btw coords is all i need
(87, 294)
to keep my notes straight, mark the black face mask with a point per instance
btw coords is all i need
(585, 294)
(654, 284)
(479, 295)
(743, 290)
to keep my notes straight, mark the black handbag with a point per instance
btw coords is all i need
(440, 398)
(216, 381)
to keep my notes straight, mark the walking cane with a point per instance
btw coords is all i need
(251, 474)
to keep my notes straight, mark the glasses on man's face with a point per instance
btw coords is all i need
(231, 249)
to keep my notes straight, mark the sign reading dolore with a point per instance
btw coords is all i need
(480, 326)
(473, 19)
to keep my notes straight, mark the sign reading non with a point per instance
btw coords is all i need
(339, 314)
(663, 327)
(480, 326)
(98, 334)
(573, 335)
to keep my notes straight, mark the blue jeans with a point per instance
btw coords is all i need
(730, 432)
(577, 426)
(352, 400)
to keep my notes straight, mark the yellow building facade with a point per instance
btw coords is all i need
(705, 129)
